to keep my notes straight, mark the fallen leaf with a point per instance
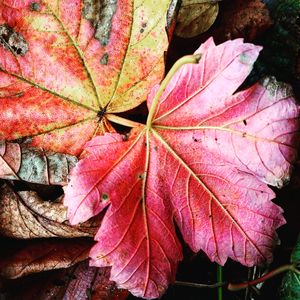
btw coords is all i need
(196, 17)
(77, 282)
(94, 282)
(290, 287)
(18, 162)
(59, 84)
(44, 255)
(204, 162)
(24, 215)
(242, 19)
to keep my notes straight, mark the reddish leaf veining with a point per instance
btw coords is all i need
(58, 82)
(204, 163)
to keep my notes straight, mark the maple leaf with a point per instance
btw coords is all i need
(203, 160)
(59, 84)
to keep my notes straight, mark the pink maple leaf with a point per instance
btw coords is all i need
(203, 161)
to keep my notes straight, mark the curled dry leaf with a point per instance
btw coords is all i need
(59, 84)
(44, 255)
(18, 162)
(203, 162)
(77, 282)
(24, 215)
(196, 17)
(93, 282)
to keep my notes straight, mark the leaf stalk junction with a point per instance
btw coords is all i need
(188, 59)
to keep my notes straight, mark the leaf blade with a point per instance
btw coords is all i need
(185, 177)
(77, 75)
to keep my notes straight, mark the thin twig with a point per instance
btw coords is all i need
(201, 285)
(220, 279)
(240, 286)
(244, 285)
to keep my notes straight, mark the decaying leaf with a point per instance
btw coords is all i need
(204, 162)
(44, 255)
(77, 282)
(18, 162)
(62, 90)
(196, 17)
(95, 282)
(24, 215)
(242, 19)
(12, 40)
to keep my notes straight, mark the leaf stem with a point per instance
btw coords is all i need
(239, 286)
(122, 121)
(220, 279)
(200, 285)
(188, 59)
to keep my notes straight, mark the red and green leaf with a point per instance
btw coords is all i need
(59, 83)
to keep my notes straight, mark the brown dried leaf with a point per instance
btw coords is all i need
(93, 282)
(25, 215)
(196, 17)
(78, 282)
(44, 255)
(17, 162)
(242, 18)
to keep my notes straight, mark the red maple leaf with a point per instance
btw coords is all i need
(202, 161)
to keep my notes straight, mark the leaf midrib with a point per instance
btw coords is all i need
(124, 61)
(86, 67)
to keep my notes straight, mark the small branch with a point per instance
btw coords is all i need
(188, 59)
(240, 286)
(200, 285)
(122, 121)
(220, 279)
